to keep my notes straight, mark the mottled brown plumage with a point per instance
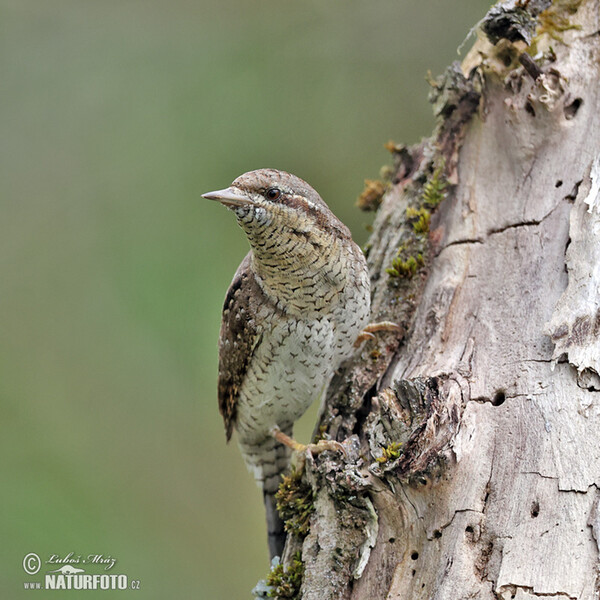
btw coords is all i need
(240, 334)
(296, 305)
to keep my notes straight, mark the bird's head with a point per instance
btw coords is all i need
(299, 247)
(270, 203)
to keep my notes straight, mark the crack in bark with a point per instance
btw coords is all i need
(572, 491)
(488, 488)
(479, 240)
(539, 475)
(461, 242)
(538, 360)
(557, 479)
(532, 223)
(481, 400)
(488, 400)
(514, 225)
(526, 588)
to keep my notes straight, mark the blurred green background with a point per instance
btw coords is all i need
(115, 115)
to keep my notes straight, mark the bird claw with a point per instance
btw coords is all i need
(363, 337)
(310, 449)
(368, 332)
(324, 445)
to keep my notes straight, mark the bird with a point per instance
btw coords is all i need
(292, 314)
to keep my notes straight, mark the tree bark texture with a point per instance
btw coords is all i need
(473, 439)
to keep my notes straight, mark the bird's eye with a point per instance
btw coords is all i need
(273, 193)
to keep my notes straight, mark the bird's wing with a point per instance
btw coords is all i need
(240, 335)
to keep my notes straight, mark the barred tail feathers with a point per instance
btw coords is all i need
(275, 528)
(267, 462)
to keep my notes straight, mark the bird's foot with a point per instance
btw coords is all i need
(320, 446)
(368, 332)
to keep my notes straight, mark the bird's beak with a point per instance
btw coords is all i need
(229, 197)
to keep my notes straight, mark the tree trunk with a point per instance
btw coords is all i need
(473, 450)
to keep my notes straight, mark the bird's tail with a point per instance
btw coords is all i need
(275, 529)
(267, 462)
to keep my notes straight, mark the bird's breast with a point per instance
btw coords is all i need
(312, 280)
(289, 370)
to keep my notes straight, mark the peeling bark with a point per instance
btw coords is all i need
(575, 324)
(473, 455)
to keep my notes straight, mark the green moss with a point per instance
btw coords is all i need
(405, 266)
(419, 219)
(434, 191)
(286, 583)
(415, 243)
(295, 503)
(391, 452)
(320, 434)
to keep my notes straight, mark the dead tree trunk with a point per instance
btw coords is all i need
(473, 440)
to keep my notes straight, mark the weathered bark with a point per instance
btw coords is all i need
(485, 414)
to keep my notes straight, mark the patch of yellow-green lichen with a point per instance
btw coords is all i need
(389, 453)
(295, 503)
(554, 21)
(285, 584)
